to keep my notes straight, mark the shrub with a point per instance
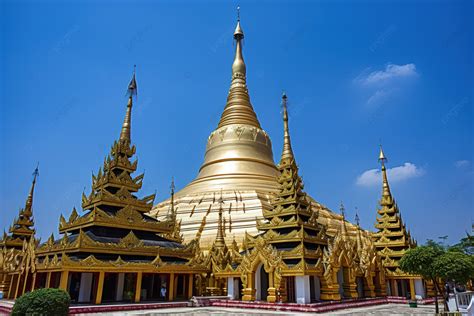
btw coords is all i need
(42, 302)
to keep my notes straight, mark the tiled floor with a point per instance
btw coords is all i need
(386, 309)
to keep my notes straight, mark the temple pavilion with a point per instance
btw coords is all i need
(245, 228)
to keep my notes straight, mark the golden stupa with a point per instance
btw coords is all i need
(238, 164)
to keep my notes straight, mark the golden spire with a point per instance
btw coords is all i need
(287, 150)
(29, 200)
(385, 186)
(127, 122)
(238, 109)
(220, 241)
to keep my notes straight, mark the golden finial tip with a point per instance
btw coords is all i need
(382, 157)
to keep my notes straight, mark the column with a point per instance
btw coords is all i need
(64, 279)
(33, 282)
(24, 283)
(17, 286)
(48, 280)
(190, 286)
(171, 288)
(85, 287)
(419, 289)
(230, 288)
(412, 289)
(329, 290)
(394, 287)
(138, 288)
(120, 283)
(249, 291)
(100, 287)
(302, 289)
(272, 295)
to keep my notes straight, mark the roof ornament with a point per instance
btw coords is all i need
(287, 150)
(125, 134)
(385, 187)
(342, 209)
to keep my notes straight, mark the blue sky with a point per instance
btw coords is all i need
(356, 73)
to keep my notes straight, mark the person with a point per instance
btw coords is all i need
(163, 292)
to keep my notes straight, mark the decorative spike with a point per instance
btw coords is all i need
(287, 150)
(385, 186)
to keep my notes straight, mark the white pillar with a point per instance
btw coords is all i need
(388, 288)
(85, 288)
(120, 282)
(230, 287)
(302, 289)
(419, 289)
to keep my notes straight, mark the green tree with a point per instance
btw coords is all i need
(435, 262)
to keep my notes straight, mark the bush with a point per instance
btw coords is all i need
(42, 302)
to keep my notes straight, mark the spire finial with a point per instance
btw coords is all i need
(357, 218)
(29, 199)
(238, 13)
(287, 150)
(238, 109)
(385, 187)
(125, 134)
(342, 209)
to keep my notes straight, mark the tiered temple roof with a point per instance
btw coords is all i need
(114, 226)
(392, 239)
(22, 227)
(291, 226)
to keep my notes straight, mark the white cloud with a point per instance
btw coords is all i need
(378, 97)
(462, 163)
(373, 177)
(391, 71)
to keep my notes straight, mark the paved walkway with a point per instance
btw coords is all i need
(386, 309)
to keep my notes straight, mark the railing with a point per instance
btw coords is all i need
(463, 300)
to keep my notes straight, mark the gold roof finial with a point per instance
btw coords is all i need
(385, 187)
(125, 134)
(287, 150)
(29, 200)
(238, 109)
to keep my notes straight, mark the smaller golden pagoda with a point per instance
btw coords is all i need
(392, 241)
(114, 251)
(14, 263)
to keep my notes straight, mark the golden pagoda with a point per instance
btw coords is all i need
(392, 241)
(13, 249)
(244, 228)
(238, 161)
(114, 251)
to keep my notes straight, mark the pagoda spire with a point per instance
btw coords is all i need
(287, 150)
(28, 211)
(23, 224)
(385, 187)
(238, 109)
(125, 134)
(220, 241)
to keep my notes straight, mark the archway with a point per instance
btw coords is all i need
(261, 283)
